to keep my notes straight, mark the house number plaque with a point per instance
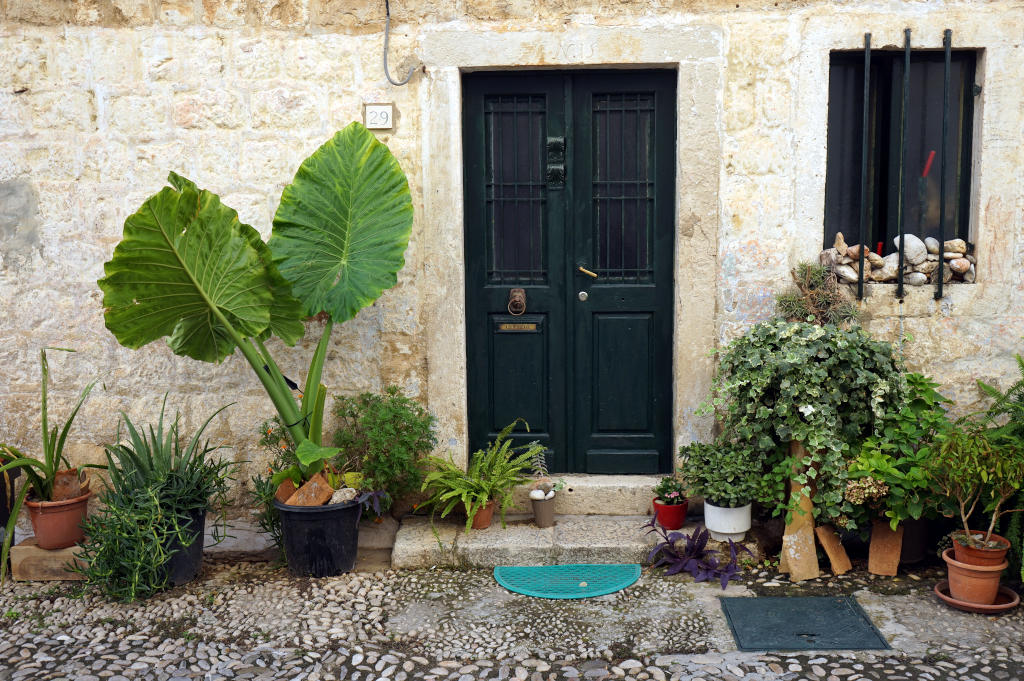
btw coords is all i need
(379, 116)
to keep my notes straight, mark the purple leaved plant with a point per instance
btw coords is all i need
(693, 555)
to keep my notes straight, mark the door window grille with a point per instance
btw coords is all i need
(515, 188)
(623, 182)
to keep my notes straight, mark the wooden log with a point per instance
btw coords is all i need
(29, 563)
(885, 547)
(798, 548)
(829, 540)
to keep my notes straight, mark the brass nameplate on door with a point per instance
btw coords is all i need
(517, 327)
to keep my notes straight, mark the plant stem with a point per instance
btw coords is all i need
(276, 388)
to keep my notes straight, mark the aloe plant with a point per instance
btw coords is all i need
(41, 473)
(188, 270)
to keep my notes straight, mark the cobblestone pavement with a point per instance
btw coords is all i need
(251, 621)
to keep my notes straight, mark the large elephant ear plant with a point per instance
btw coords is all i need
(188, 270)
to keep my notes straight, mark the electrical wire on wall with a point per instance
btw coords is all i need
(387, 40)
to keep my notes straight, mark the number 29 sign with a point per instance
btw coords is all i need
(379, 116)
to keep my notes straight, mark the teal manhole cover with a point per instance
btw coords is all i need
(566, 581)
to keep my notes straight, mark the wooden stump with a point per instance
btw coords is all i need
(829, 540)
(798, 550)
(885, 547)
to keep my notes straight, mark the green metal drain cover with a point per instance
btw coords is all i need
(566, 581)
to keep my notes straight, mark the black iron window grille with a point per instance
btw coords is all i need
(899, 161)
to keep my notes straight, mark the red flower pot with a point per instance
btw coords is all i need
(670, 516)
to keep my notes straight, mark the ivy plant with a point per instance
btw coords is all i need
(188, 270)
(825, 387)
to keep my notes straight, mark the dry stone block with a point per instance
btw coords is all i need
(955, 245)
(314, 492)
(846, 273)
(208, 109)
(915, 279)
(960, 265)
(932, 244)
(284, 108)
(31, 563)
(840, 244)
(915, 252)
(285, 491)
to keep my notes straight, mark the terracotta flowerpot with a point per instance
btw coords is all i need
(483, 517)
(670, 516)
(973, 583)
(975, 556)
(57, 523)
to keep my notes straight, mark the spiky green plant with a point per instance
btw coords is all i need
(40, 473)
(816, 297)
(156, 485)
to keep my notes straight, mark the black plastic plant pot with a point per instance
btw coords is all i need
(7, 479)
(320, 541)
(184, 563)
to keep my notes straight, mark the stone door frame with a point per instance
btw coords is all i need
(696, 52)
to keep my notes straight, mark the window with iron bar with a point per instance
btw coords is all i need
(890, 169)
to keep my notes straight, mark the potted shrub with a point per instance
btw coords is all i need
(57, 502)
(890, 476)
(383, 439)
(149, 533)
(187, 269)
(670, 503)
(826, 387)
(976, 468)
(727, 475)
(486, 484)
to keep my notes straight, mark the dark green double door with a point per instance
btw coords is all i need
(569, 197)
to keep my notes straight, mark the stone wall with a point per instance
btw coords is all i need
(100, 98)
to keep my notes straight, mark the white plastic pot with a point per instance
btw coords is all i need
(726, 523)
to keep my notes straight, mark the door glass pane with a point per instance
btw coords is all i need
(515, 188)
(623, 184)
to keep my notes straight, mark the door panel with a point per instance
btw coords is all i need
(570, 171)
(514, 231)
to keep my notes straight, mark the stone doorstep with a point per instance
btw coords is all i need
(626, 495)
(573, 539)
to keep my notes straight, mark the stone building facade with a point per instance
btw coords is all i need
(100, 98)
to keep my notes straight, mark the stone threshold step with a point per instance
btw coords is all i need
(626, 495)
(574, 539)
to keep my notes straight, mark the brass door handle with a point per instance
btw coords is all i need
(587, 272)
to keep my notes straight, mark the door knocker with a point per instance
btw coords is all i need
(516, 301)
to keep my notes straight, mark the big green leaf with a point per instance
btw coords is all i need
(343, 224)
(186, 268)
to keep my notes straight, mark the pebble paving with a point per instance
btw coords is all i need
(253, 621)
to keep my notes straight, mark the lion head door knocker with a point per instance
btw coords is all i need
(517, 301)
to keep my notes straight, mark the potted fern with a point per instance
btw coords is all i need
(486, 485)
